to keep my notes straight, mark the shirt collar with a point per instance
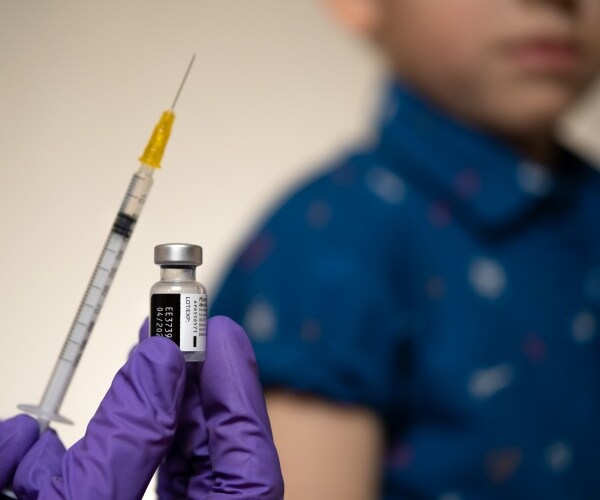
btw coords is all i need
(480, 177)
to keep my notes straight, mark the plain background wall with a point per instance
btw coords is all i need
(275, 92)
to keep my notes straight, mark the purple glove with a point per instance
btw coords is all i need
(17, 436)
(140, 417)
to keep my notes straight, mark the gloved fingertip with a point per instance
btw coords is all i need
(21, 428)
(224, 334)
(223, 323)
(41, 463)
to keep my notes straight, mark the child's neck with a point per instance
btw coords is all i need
(539, 147)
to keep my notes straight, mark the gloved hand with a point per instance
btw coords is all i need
(208, 419)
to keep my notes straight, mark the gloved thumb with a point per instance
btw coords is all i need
(130, 433)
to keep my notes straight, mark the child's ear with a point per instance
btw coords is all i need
(360, 16)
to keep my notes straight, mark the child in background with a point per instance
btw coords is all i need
(425, 313)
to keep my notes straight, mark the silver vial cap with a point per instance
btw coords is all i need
(177, 254)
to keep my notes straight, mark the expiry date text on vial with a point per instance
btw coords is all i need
(163, 323)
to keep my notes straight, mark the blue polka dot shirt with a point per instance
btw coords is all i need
(451, 286)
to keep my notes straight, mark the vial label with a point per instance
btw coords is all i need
(181, 318)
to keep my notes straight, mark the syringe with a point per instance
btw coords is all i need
(104, 272)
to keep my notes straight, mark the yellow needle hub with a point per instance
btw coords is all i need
(158, 142)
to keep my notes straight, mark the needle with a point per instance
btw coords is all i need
(187, 72)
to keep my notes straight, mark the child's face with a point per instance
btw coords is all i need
(512, 65)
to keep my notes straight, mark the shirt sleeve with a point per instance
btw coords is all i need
(314, 294)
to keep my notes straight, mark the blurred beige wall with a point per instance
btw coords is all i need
(275, 92)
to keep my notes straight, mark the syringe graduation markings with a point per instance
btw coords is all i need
(104, 272)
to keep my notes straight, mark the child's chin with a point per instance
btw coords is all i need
(539, 111)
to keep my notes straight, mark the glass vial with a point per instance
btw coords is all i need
(178, 301)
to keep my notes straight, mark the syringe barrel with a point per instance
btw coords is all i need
(57, 387)
(97, 289)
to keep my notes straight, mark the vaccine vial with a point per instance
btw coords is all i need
(178, 301)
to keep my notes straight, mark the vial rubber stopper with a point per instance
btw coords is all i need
(178, 254)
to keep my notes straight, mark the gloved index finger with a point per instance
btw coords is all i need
(243, 456)
(132, 429)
